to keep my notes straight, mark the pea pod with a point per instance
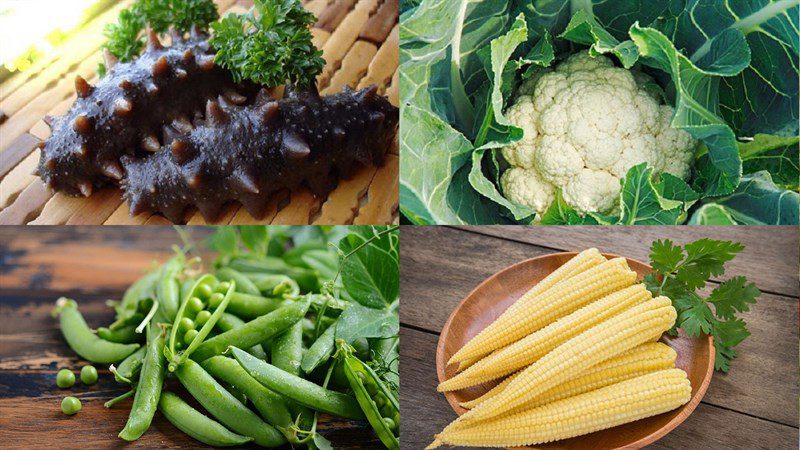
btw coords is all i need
(270, 405)
(225, 407)
(228, 322)
(129, 368)
(199, 338)
(305, 278)
(243, 284)
(81, 338)
(251, 306)
(142, 288)
(122, 335)
(376, 400)
(320, 351)
(168, 290)
(148, 390)
(287, 352)
(274, 284)
(298, 389)
(196, 424)
(254, 332)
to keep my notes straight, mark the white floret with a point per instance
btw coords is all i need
(526, 187)
(592, 191)
(586, 123)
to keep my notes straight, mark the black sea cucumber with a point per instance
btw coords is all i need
(243, 153)
(128, 111)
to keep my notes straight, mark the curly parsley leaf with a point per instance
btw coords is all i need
(270, 46)
(680, 271)
(126, 37)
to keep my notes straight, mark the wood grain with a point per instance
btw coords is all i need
(440, 266)
(90, 264)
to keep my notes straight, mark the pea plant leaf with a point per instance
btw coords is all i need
(360, 321)
(369, 268)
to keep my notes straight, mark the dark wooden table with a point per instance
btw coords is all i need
(89, 264)
(754, 406)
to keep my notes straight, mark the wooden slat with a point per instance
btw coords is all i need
(16, 151)
(121, 216)
(242, 217)
(302, 206)
(385, 62)
(393, 91)
(353, 67)
(58, 210)
(19, 179)
(29, 205)
(317, 6)
(380, 24)
(98, 208)
(343, 38)
(83, 46)
(342, 204)
(382, 196)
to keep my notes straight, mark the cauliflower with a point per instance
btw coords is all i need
(586, 123)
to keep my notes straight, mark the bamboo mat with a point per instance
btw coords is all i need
(359, 40)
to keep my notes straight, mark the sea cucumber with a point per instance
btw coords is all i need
(244, 153)
(128, 110)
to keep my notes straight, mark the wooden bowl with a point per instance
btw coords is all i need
(487, 301)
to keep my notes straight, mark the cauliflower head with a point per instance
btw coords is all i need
(586, 123)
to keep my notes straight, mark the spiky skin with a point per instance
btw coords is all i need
(128, 111)
(244, 153)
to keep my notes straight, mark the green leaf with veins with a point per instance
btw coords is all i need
(642, 203)
(584, 29)
(711, 214)
(728, 334)
(758, 201)
(732, 296)
(665, 255)
(777, 155)
(694, 315)
(705, 258)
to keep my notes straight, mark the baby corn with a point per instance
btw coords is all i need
(578, 264)
(526, 351)
(635, 362)
(599, 343)
(623, 402)
(490, 393)
(549, 306)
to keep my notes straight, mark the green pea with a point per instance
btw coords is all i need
(363, 377)
(371, 388)
(88, 375)
(389, 423)
(380, 400)
(65, 378)
(195, 305)
(202, 317)
(387, 410)
(189, 336)
(185, 324)
(70, 405)
(223, 287)
(215, 300)
(204, 290)
(396, 418)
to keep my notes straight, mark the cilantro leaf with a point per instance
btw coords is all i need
(665, 256)
(732, 296)
(678, 274)
(704, 258)
(694, 315)
(728, 334)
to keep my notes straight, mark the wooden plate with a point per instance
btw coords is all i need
(487, 301)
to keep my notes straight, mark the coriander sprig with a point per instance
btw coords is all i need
(681, 271)
(270, 45)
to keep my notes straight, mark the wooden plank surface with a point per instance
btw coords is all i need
(360, 45)
(753, 406)
(90, 264)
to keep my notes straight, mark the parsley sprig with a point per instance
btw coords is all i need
(126, 37)
(269, 45)
(680, 271)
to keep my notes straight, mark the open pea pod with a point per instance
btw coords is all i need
(379, 404)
